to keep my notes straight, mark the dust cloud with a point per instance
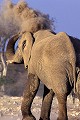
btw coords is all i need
(20, 17)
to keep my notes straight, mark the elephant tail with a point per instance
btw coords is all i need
(74, 78)
(72, 75)
(75, 85)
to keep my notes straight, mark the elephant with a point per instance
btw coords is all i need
(49, 58)
(76, 44)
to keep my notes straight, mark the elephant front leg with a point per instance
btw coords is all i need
(46, 104)
(62, 99)
(28, 96)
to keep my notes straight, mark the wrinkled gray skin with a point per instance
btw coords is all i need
(51, 59)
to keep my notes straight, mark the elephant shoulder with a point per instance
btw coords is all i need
(62, 35)
(65, 41)
(64, 38)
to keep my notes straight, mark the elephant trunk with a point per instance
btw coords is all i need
(10, 52)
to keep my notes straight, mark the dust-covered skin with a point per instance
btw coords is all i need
(49, 68)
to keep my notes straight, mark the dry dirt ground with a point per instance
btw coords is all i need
(10, 107)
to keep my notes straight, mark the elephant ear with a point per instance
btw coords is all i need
(27, 43)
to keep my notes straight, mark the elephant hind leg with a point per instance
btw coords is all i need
(46, 104)
(62, 104)
(28, 96)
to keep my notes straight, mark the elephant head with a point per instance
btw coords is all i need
(24, 47)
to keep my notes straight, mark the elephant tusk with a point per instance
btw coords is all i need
(26, 67)
(9, 61)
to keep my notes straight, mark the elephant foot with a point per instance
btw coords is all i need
(29, 118)
(62, 118)
(44, 118)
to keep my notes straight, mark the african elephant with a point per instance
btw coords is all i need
(50, 58)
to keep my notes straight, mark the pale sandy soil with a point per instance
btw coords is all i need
(10, 108)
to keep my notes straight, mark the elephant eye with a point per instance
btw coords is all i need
(23, 45)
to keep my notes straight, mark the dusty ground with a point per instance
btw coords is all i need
(10, 108)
